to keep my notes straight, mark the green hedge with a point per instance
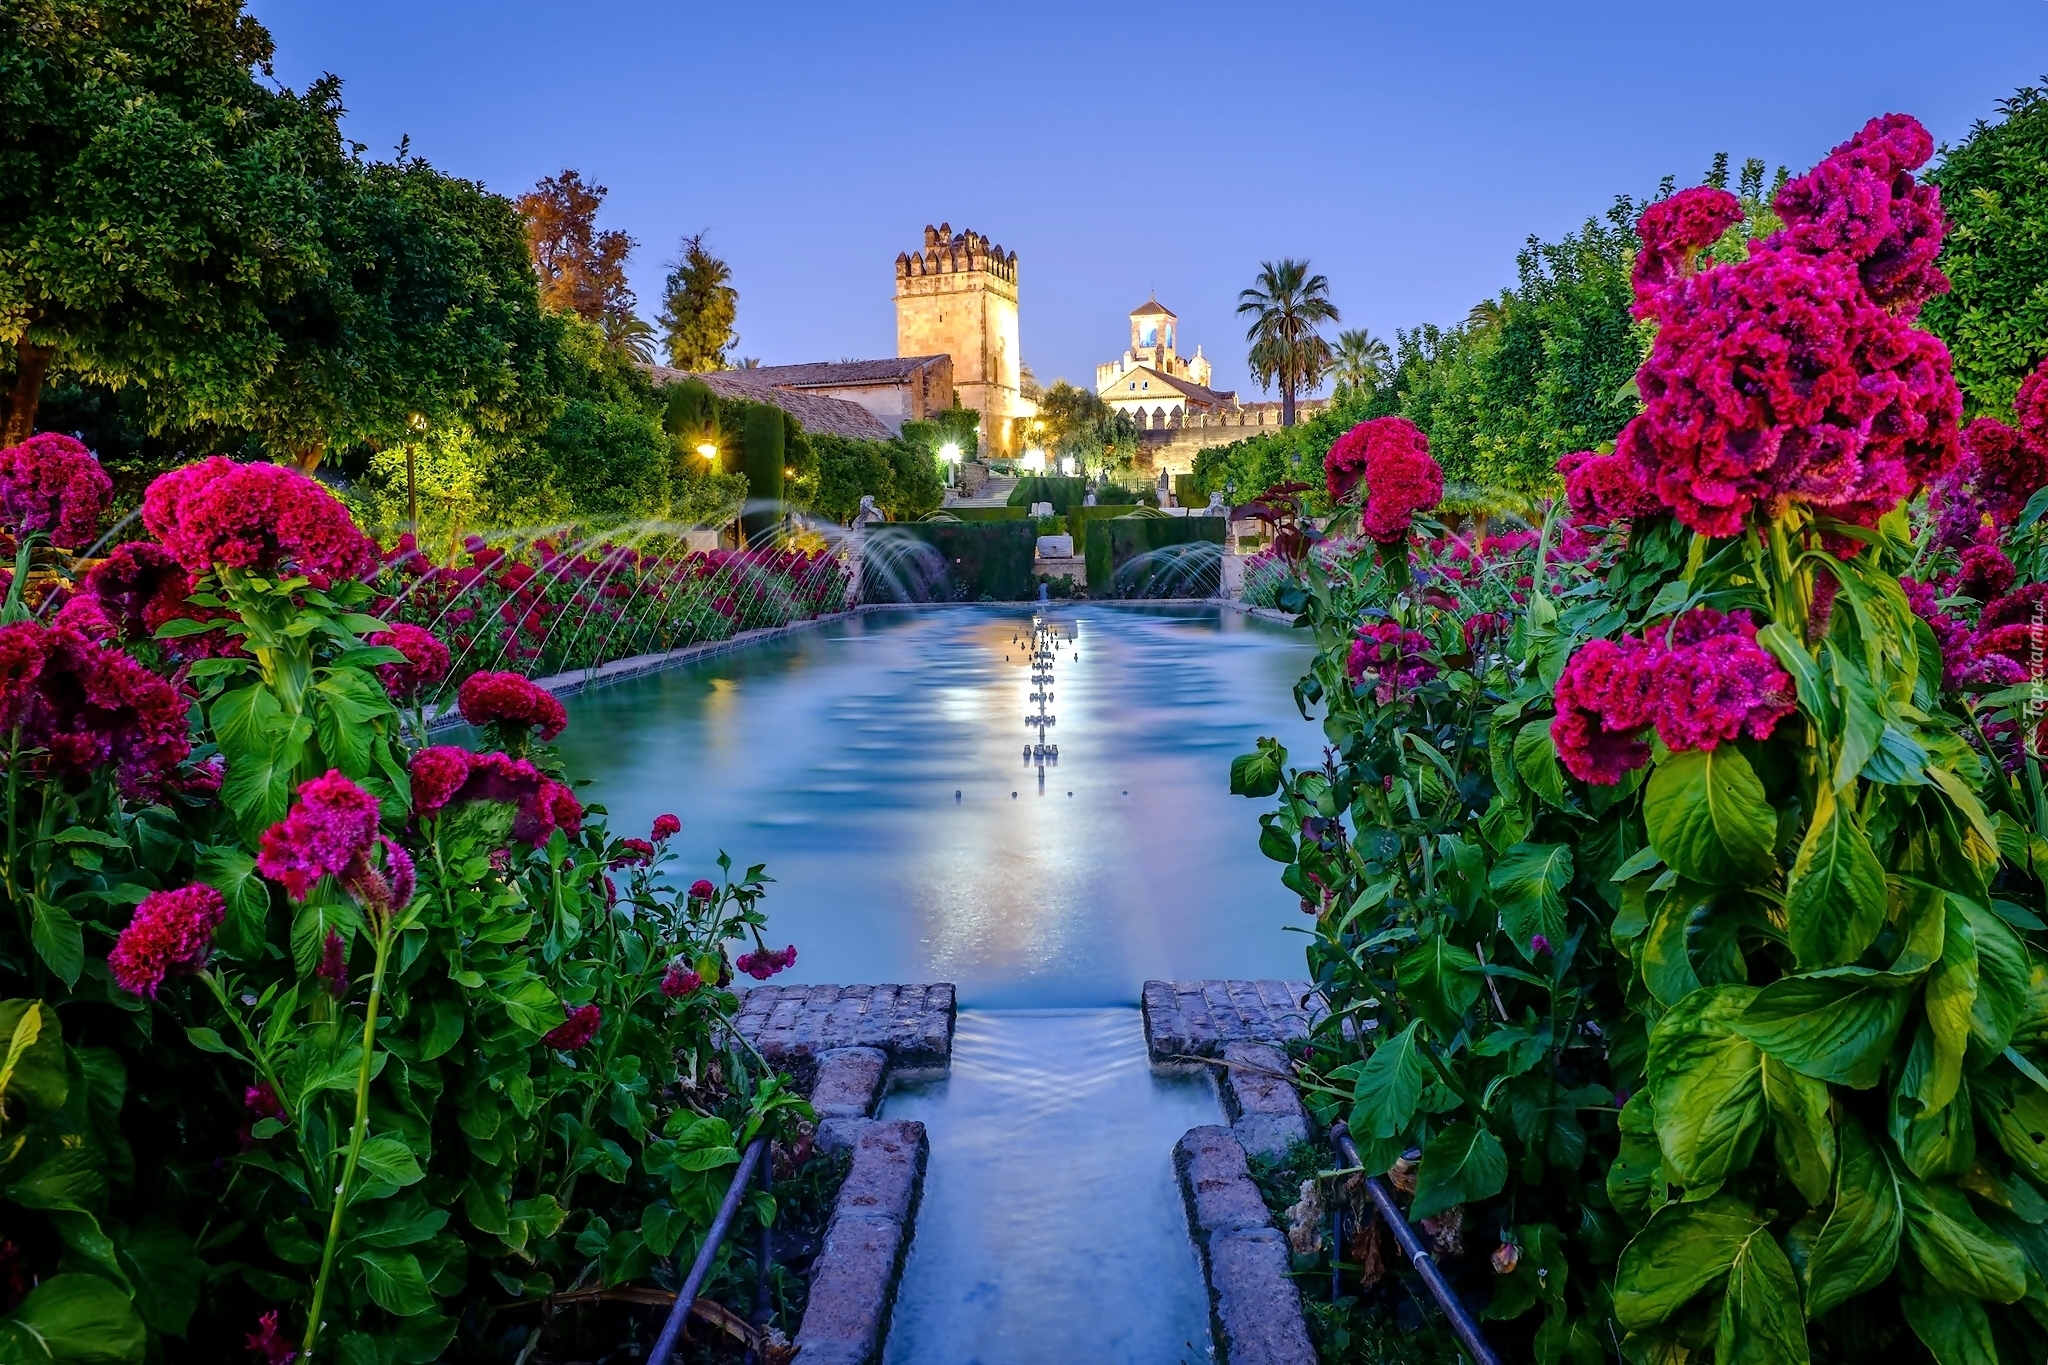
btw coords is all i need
(949, 561)
(1118, 548)
(1060, 491)
(1017, 513)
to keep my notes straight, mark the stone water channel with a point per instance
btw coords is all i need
(883, 769)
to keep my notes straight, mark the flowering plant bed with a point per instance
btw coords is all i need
(314, 1040)
(1678, 899)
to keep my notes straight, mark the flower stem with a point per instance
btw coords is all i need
(355, 1142)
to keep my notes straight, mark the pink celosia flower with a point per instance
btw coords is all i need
(633, 853)
(2030, 409)
(437, 775)
(1605, 488)
(327, 833)
(1389, 658)
(444, 775)
(268, 1341)
(333, 968)
(1985, 573)
(139, 586)
(425, 666)
(679, 980)
(1674, 231)
(766, 962)
(51, 484)
(508, 700)
(576, 1031)
(1538, 943)
(701, 890)
(1390, 456)
(170, 932)
(1716, 683)
(83, 616)
(265, 518)
(1603, 706)
(1863, 206)
(665, 826)
(89, 705)
(1486, 628)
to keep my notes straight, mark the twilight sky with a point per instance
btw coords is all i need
(1406, 150)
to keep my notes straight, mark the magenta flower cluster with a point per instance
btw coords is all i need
(2002, 467)
(263, 518)
(52, 485)
(445, 775)
(1603, 489)
(1390, 457)
(576, 1032)
(1795, 376)
(763, 963)
(1674, 231)
(328, 833)
(513, 702)
(1698, 682)
(426, 661)
(87, 704)
(171, 931)
(1390, 659)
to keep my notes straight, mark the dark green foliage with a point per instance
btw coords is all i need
(761, 440)
(989, 513)
(1061, 492)
(1242, 469)
(698, 308)
(1152, 555)
(949, 426)
(949, 561)
(1994, 189)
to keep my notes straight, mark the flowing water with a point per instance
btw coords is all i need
(880, 767)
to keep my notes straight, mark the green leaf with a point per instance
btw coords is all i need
(1536, 762)
(1950, 994)
(1956, 1248)
(395, 1282)
(69, 1178)
(1442, 979)
(2017, 1112)
(1954, 1328)
(1666, 965)
(1760, 1323)
(1685, 1248)
(1258, 773)
(74, 1320)
(58, 940)
(1388, 1087)
(1835, 903)
(166, 1273)
(1834, 1025)
(33, 1078)
(232, 872)
(2004, 974)
(1795, 659)
(1706, 1086)
(1528, 883)
(1461, 1165)
(1802, 1133)
(1859, 1240)
(1706, 815)
(388, 1161)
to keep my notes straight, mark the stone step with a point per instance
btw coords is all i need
(1254, 1307)
(1189, 1021)
(790, 1026)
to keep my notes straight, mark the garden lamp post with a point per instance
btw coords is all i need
(949, 455)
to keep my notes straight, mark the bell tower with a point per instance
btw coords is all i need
(957, 296)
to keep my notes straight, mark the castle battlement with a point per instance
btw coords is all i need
(946, 252)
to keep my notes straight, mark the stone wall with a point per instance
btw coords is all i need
(957, 296)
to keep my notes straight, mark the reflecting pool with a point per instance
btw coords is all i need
(879, 766)
(876, 766)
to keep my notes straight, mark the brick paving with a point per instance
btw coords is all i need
(1199, 1019)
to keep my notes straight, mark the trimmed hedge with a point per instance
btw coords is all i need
(950, 561)
(1118, 548)
(1062, 492)
(1016, 513)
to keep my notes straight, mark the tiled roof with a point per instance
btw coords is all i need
(827, 374)
(1152, 308)
(1187, 387)
(834, 416)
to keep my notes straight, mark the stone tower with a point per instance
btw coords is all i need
(958, 297)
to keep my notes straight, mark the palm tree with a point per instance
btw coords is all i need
(1488, 315)
(1362, 360)
(629, 332)
(1287, 306)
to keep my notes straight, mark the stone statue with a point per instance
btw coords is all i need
(1215, 507)
(867, 515)
(1089, 501)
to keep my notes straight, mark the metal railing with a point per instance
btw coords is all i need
(1462, 1322)
(755, 1155)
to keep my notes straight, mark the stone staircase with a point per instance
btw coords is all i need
(994, 493)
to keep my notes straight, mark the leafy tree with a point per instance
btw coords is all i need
(1994, 189)
(157, 203)
(698, 309)
(1361, 360)
(582, 270)
(1287, 306)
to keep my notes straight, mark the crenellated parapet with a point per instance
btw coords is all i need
(946, 252)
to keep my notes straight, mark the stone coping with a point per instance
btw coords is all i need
(792, 1026)
(1254, 1307)
(1187, 1022)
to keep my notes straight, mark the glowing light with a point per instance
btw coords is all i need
(1069, 466)
(708, 451)
(1034, 460)
(950, 453)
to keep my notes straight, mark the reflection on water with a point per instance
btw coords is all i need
(834, 756)
(1051, 1228)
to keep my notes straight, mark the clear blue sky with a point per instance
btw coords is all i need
(1406, 150)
